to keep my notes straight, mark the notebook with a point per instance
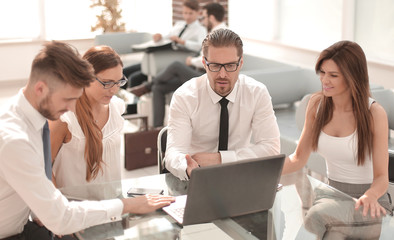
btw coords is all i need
(228, 190)
(151, 43)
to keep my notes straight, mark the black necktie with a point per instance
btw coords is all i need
(183, 30)
(223, 130)
(47, 150)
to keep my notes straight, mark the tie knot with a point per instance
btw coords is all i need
(46, 125)
(223, 102)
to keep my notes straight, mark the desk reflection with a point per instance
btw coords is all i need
(305, 208)
(320, 211)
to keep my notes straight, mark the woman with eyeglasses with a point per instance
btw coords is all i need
(85, 143)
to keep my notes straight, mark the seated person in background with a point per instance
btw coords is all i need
(177, 72)
(203, 130)
(348, 128)
(58, 76)
(87, 143)
(188, 33)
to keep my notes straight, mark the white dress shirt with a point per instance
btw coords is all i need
(193, 35)
(71, 156)
(193, 124)
(24, 185)
(197, 61)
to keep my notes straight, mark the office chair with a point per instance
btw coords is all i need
(161, 149)
(385, 97)
(391, 177)
(316, 163)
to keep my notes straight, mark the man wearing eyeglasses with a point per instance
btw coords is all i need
(221, 116)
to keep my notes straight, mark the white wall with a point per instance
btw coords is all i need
(16, 58)
(276, 23)
(379, 73)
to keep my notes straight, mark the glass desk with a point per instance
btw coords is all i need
(304, 208)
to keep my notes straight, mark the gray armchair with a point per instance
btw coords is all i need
(385, 97)
(121, 43)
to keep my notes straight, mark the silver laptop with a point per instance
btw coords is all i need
(228, 190)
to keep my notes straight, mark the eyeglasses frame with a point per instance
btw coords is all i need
(223, 65)
(111, 84)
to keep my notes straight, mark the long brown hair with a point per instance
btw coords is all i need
(101, 58)
(351, 61)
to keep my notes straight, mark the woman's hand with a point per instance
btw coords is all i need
(370, 203)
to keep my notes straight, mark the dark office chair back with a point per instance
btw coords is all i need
(164, 142)
(161, 149)
(391, 166)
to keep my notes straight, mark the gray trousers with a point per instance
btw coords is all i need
(333, 216)
(166, 82)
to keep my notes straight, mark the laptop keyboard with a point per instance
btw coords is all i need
(179, 212)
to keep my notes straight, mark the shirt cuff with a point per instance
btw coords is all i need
(180, 172)
(115, 209)
(228, 156)
(183, 176)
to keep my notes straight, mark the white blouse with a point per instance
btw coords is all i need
(69, 167)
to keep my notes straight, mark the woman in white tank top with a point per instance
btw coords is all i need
(348, 129)
(86, 143)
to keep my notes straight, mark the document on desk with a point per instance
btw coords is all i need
(203, 231)
(151, 43)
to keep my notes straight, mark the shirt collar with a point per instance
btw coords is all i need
(219, 26)
(30, 113)
(216, 97)
(193, 23)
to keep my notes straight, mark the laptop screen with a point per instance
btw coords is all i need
(232, 189)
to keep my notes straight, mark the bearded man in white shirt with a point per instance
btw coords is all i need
(58, 76)
(193, 126)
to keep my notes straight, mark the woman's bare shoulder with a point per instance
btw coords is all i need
(377, 110)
